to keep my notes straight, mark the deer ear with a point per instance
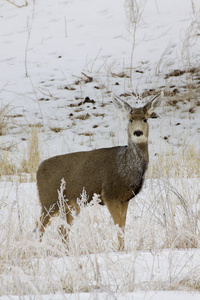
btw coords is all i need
(153, 104)
(121, 104)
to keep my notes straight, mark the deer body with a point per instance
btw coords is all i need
(116, 173)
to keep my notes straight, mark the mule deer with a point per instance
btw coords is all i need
(116, 173)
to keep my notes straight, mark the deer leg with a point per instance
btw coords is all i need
(69, 218)
(118, 211)
(40, 225)
(63, 230)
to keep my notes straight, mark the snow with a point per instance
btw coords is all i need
(127, 296)
(46, 47)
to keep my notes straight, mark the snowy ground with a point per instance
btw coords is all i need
(54, 54)
(162, 247)
(54, 44)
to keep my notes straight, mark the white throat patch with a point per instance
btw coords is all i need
(139, 139)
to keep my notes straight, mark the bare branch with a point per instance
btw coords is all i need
(19, 6)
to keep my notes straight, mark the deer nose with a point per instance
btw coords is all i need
(138, 133)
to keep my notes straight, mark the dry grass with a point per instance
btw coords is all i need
(185, 164)
(4, 110)
(56, 129)
(83, 117)
(7, 168)
(31, 163)
(25, 170)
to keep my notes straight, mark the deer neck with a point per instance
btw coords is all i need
(132, 162)
(143, 149)
(140, 150)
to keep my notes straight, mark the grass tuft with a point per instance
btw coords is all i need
(4, 110)
(31, 163)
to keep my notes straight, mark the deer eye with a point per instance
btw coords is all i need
(145, 120)
(130, 120)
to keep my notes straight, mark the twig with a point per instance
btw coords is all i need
(65, 26)
(19, 6)
(29, 28)
(134, 10)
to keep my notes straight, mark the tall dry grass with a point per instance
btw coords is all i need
(182, 164)
(31, 162)
(4, 111)
(25, 169)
